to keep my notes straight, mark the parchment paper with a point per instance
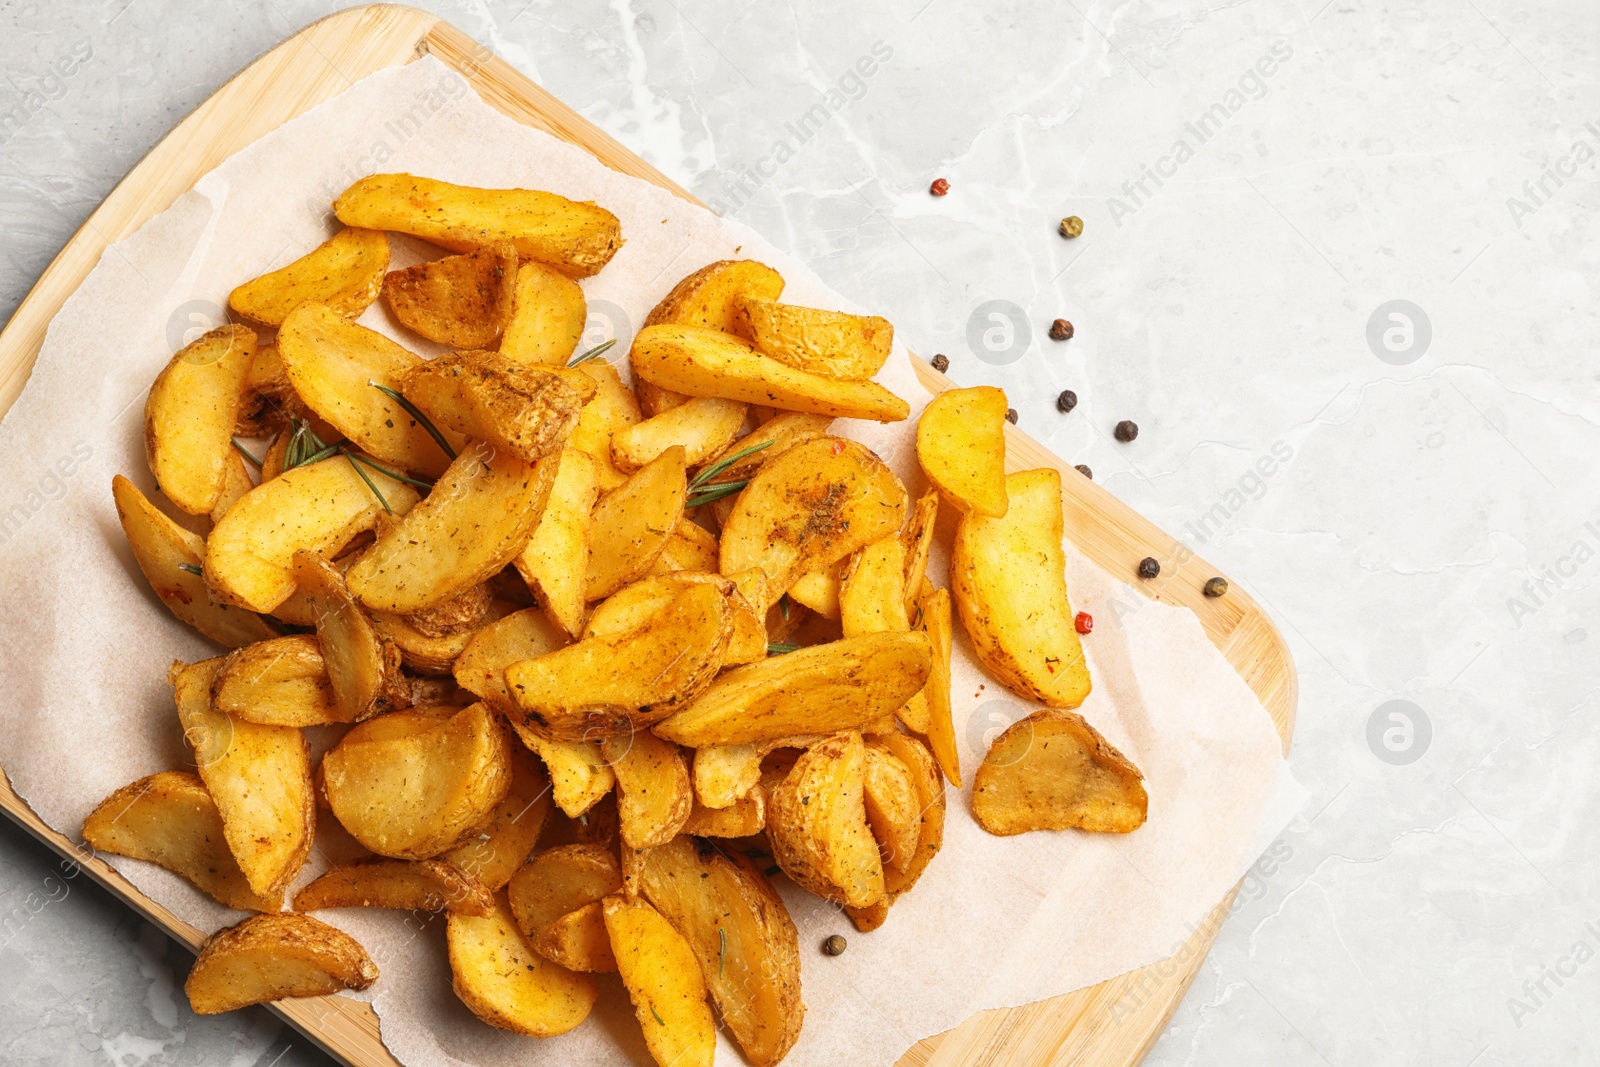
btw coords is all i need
(995, 922)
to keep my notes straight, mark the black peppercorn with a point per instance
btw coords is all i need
(1083, 469)
(834, 945)
(1216, 587)
(1011, 416)
(1066, 401)
(1149, 567)
(941, 362)
(1061, 330)
(1127, 430)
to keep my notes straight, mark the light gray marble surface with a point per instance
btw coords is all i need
(1411, 497)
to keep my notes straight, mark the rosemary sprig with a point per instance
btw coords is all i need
(705, 476)
(659, 1019)
(716, 492)
(778, 648)
(396, 475)
(593, 353)
(191, 568)
(304, 446)
(416, 413)
(783, 606)
(722, 953)
(357, 467)
(245, 452)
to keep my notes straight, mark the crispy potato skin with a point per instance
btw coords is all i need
(278, 682)
(664, 981)
(706, 297)
(934, 610)
(530, 411)
(463, 301)
(547, 318)
(506, 984)
(703, 426)
(505, 841)
(409, 885)
(190, 414)
(1053, 771)
(269, 957)
(1008, 577)
(554, 898)
(930, 806)
(817, 824)
(961, 445)
(830, 343)
(575, 238)
(344, 273)
(363, 667)
(892, 807)
(654, 797)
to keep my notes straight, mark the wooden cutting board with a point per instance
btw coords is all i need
(1109, 1025)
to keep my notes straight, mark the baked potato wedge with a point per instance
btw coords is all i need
(344, 273)
(633, 605)
(189, 417)
(819, 590)
(278, 682)
(555, 563)
(548, 314)
(170, 820)
(917, 534)
(270, 957)
(743, 818)
(632, 523)
(480, 669)
(841, 685)
(526, 410)
(408, 885)
(934, 611)
(664, 981)
(579, 775)
(700, 362)
(654, 797)
(477, 518)
(703, 427)
(554, 898)
(914, 755)
(893, 807)
(692, 549)
(613, 409)
(497, 848)
(817, 823)
(831, 343)
(706, 297)
(506, 984)
(872, 597)
(235, 484)
(1053, 771)
(1008, 577)
(725, 774)
(462, 301)
(575, 238)
(168, 555)
(961, 445)
(363, 667)
(269, 401)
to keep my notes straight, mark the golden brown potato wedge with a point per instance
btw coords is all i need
(493, 852)
(477, 518)
(409, 885)
(819, 590)
(893, 808)
(1053, 771)
(169, 555)
(633, 605)
(810, 507)
(706, 297)
(333, 364)
(692, 549)
(554, 898)
(653, 793)
(725, 774)
(527, 410)
(189, 417)
(632, 523)
(615, 683)
(830, 343)
(578, 941)
(259, 777)
(270, 957)
(547, 317)
(575, 238)
(918, 537)
(930, 807)
(742, 935)
(435, 653)
(934, 609)
(961, 444)
(743, 818)
(701, 362)
(269, 401)
(414, 796)
(664, 981)
(1008, 577)
(279, 682)
(555, 562)
(344, 273)
(461, 614)
(462, 301)
(778, 434)
(236, 483)
(480, 668)
(363, 667)
(654, 400)
(170, 820)
(506, 984)
(579, 775)
(817, 823)
(827, 688)
(703, 426)
(276, 456)
(872, 597)
(613, 409)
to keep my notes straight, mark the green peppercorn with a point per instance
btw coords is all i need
(1071, 226)
(1149, 567)
(1216, 587)
(834, 945)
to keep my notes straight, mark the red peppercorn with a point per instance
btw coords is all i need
(1083, 622)
(939, 187)
(838, 447)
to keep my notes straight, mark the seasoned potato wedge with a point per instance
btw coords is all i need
(613, 409)
(654, 400)
(575, 238)
(918, 537)
(168, 555)
(333, 364)
(1008, 577)
(930, 807)
(235, 484)
(703, 426)
(841, 685)
(892, 804)
(497, 848)
(741, 933)
(409, 885)
(810, 507)
(701, 362)
(742, 818)
(614, 683)
(817, 823)
(526, 410)
(270, 957)
(579, 775)
(578, 941)
(692, 549)
(725, 774)
(480, 669)
(664, 981)
(819, 590)
(478, 518)
(934, 609)
(189, 417)
(344, 273)
(872, 597)
(961, 444)
(259, 777)
(269, 401)
(552, 897)
(276, 456)
(633, 605)
(653, 793)
(547, 317)
(506, 984)
(414, 796)
(555, 563)
(279, 682)
(779, 434)
(706, 297)
(1053, 771)
(425, 653)
(462, 301)
(633, 522)
(830, 343)
(170, 820)
(363, 667)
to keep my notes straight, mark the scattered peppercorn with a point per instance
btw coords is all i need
(1066, 401)
(1083, 622)
(1011, 416)
(941, 363)
(1149, 567)
(1217, 587)
(1061, 330)
(834, 945)
(1083, 469)
(1071, 226)
(1127, 430)
(938, 188)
